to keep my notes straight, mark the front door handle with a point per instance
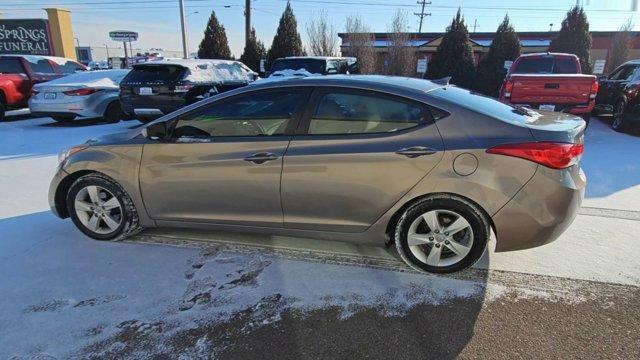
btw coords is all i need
(415, 151)
(261, 158)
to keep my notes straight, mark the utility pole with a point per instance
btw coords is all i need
(475, 24)
(185, 50)
(247, 21)
(421, 14)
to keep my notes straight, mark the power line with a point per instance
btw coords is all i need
(422, 14)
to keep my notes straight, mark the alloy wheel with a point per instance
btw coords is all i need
(440, 238)
(98, 209)
(618, 113)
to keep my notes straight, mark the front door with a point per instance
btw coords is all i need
(359, 152)
(222, 163)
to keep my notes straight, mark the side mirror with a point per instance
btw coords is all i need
(155, 131)
(602, 77)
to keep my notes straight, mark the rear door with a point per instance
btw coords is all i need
(152, 86)
(222, 163)
(355, 155)
(616, 83)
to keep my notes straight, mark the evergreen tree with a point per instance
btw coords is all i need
(254, 50)
(574, 37)
(505, 46)
(454, 56)
(214, 45)
(287, 40)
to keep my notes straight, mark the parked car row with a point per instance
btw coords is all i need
(19, 73)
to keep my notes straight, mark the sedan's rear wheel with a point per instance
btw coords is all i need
(101, 209)
(442, 234)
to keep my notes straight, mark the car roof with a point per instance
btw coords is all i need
(383, 83)
(632, 62)
(548, 54)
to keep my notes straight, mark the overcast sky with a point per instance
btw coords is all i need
(158, 23)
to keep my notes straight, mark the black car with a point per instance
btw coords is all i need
(156, 88)
(618, 95)
(310, 65)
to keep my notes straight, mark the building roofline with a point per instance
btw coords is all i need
(492, 34)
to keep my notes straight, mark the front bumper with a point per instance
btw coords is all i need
(56, 203)
(541, 211)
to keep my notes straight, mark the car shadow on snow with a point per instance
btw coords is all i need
(131, 299)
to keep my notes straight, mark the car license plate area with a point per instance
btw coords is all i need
(145, 91)
(547, 107)
(49, 96)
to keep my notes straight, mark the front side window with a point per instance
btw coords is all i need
(361, 113)
(258, 114)
(10, 66)
(623, 73)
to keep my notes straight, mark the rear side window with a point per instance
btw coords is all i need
(11, 66)
(257, 114)
(479, 103)
(361, 113)
(42, 66)
(155, 74)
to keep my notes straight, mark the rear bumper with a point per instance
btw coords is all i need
(541, 211)
(82, 107)
(576, 109)
(162, 103)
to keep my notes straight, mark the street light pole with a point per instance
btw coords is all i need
(106, 48)
(185, 50)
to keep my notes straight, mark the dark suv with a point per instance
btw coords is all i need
(153, 89)
(618, 96)
(313, 65)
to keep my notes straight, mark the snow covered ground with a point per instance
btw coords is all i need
(65, 296)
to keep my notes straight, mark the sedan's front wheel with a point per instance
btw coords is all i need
(101, 209)
(442, 234)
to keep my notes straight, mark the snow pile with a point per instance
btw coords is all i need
(102, 79)
(292, 73)
(204, 70)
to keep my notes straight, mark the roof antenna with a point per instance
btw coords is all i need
(442, 81)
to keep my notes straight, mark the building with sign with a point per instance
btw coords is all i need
(51, 36)
(426, 44)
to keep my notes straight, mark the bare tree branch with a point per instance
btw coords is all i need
(401, 58)
(322, 36)
(360, 41)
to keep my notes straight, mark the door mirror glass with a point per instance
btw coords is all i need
(155, 131)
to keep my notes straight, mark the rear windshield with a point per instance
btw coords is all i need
(10, 66)
(154, 74)
(546, 65)
(480, 103)
(313, 66)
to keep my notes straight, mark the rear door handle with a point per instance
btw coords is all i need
(415, 151)
(261, 158)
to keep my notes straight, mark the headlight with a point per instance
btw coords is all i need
(64, 154)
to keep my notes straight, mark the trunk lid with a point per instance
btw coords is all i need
(551, 88)
(554, 126)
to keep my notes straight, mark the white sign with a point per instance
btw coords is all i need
(262, 67)
(598, 66)
(422, 66)
(507, 64)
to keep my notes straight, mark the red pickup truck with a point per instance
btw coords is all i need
(550, 81)
(18, 73)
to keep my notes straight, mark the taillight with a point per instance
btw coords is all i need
(550, 154)
(182, 88)
(80, 92)
(594, 90)
(508, 87)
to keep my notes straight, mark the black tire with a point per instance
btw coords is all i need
(63, 118)
(3, 108)
(113, 112)
(128, 225)
(619, 122)
(476, 218)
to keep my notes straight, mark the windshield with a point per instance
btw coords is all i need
(546, 65)
(313, 66)
(155, 74)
